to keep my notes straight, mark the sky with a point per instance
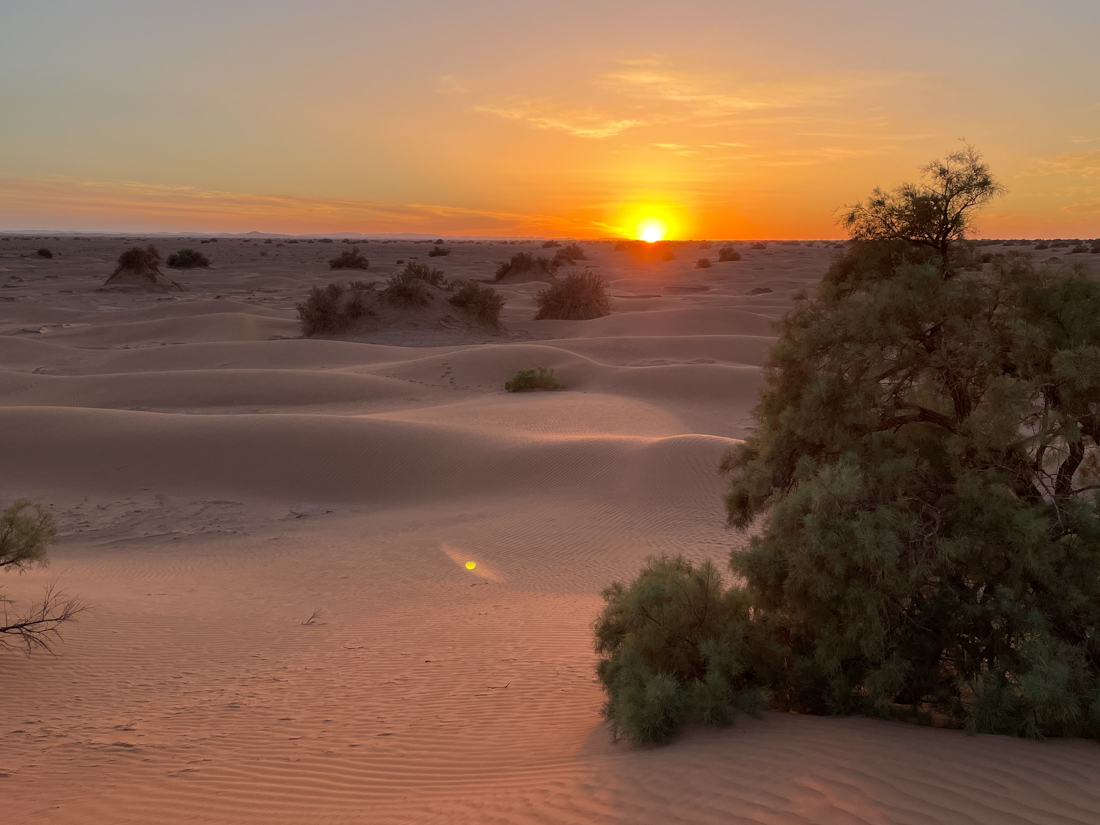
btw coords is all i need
(572, 118)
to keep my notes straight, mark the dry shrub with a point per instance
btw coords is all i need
(569, 254)
(705, 245)
(580, 297)
(407, 290)
(550, 244)
(438, 251)
(425, 273)
(333, 309)
(349, 259)
(728, 253)
(482, 302)
(758, 245)
(44, 253)
(524, 262)
(702, 263)
(188, 259)
(139, 261)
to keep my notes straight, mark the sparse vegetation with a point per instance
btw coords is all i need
(705, 245)
(187, 259)
(333, 309)
(407, 290)
(728, 253)
(924, 479)
(523, 262)
(480, 301)
(349, 259)
(25, 531)
(533, 379)
(702, 263)
(550, 244)
(581, 296)
(569, 254)
(1079, 249)
(758, 245)
(438, 251)
(1041, 246)
(139, 261)
(44, 253)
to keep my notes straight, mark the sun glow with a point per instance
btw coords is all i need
(651, 230)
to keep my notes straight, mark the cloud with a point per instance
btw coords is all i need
(547, 114)
(1082, 208)
(80, 203)
(448, 84)
(1084, 164)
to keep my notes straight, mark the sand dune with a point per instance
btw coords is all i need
(272, 533)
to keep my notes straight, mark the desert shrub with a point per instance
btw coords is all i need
(728, 253)
(268, 240)
(333, 309)
(44, 253)
(674, 645)
(1079, 248)
(480, 301)
(1040, 246)
(139, 260)
(702, 263)
(530, 380)
(187, 259)
(25, 531)
(569, 254)
(523, 262)
(349, 259)
(408, 290)
(423, 272)
(438, 251)
(438, 241)
(550, 244)
(758, 245)
(1095, 249)
(581, 296)
(705, 245)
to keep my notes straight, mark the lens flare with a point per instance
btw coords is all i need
(470, 565)
(652, 230)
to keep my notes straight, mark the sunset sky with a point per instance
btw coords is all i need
(725, 119)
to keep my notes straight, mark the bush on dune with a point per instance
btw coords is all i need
(581, 296)
(530, 380)
(569, 254)
(924, 472)
(438, 252)
(139, 261)
(728, 253)
(44, 253)
(480, 301)
(523, 262)
(703, 263)
(333, 309)
(348, 259)
(187, 259)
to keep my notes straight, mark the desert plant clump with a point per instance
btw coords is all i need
(438, 251)
(522, 263)
(44, 253)
(478, 300)
(423, 272)
(1041, 246)
(705, 245)
(1079, 248)
(924, 475)
(406, 290)
(532, 380)
(758, 245)
(728, 253)
(581, 296)
(550, 244)
(187, 259)
(569, 254)
(25, 531)
(333, 309)
(349, 259)
(702, 263)
(139, 268)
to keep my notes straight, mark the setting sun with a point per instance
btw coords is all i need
(652, 230)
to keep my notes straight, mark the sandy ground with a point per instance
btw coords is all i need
(272, 535)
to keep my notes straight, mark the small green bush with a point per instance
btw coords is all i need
(349, 259)
(530, 380)
(480, 301)
(44, 253)
(187, 259)
(580, 297)
(702, 263)
(728, 253)
(673, 646)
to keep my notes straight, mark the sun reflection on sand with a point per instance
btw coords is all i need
(469, 562)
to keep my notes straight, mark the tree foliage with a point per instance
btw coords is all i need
(924, 475)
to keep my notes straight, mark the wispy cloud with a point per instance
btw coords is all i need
(1082, 208)
(549, 114)
(79, 203)
(1083, 164)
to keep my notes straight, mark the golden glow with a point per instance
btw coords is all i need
(651, 230)
(470, 565)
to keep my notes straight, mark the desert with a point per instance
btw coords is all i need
(273, 535)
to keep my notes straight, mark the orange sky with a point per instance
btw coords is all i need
(722, 118)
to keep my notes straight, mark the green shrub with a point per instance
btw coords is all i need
(187, 259)
(674, 645)
(702, 263)
(349, 259)
(728, 253)
(523, 262)
(44, 253)
(480, 301)
(580, 297)
(333, 309)
(535, 378)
